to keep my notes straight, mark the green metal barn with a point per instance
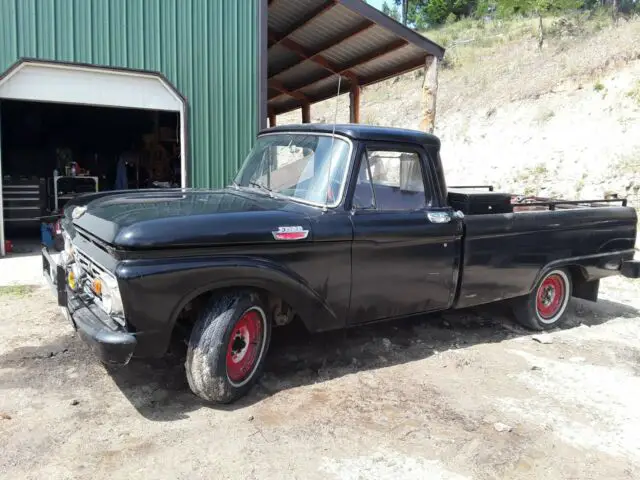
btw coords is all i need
(170, 92)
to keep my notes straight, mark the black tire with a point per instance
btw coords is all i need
(219, 339)
(545, 306)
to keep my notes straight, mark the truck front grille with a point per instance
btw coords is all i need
(92, 269)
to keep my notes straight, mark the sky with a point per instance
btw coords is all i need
(376, 3)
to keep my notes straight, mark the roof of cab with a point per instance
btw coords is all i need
(361, 132)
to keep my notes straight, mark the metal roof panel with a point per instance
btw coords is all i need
(326, 27)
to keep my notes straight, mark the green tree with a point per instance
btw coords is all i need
(438, 11)
(416, 13)
(424, 13)
(391, 10)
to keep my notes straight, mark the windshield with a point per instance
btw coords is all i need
(308, 167)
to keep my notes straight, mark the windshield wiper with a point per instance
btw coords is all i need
(262, 187)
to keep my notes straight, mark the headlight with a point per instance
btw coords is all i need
(65, 258)
(74, 277)
(68, 246)
(111, 300)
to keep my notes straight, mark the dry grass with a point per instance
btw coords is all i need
(493, 75)
(16, 290)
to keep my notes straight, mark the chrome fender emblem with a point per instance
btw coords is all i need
(290, 233)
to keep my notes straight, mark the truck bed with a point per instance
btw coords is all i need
(503, 254)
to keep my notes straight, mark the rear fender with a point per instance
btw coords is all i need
(586, 271)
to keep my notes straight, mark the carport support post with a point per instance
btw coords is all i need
(306, 113)
(354, 103)
(429, 94)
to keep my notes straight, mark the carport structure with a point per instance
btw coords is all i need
(320, 48)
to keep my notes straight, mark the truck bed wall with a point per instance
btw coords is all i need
(503, 254)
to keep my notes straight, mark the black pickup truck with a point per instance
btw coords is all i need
(334, 226)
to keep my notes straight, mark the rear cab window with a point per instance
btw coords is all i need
(391, 179)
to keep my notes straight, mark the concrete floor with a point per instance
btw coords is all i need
(24, 265)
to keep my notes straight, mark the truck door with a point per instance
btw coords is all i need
(406, 246)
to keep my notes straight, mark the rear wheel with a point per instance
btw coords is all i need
(544, 307)
(227, 347)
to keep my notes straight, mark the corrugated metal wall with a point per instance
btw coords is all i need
(207, 48)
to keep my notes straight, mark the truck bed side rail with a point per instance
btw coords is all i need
(524, 204)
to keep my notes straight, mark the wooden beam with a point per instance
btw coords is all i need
(318, 59)
(362, 27)
(272, 119)
(346, 69)
(329, 4)
(381, 52)
(306, 113)
(302, 53)
(285, 91)
(429, 94)
(400, 70)
(354, 103)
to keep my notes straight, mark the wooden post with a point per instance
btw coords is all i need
(272, 119)
(354, 103)
(306, 113)
(429, 94)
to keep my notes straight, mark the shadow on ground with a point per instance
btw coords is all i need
(160, 392)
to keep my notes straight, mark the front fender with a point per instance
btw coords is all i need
(155, 292)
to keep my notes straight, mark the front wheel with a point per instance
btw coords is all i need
(227, 347)
(544, 307)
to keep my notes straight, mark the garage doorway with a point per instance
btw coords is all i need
(69, 129)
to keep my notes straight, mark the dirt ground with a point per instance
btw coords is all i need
(458, 396)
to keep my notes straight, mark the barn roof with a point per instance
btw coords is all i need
(312, 43)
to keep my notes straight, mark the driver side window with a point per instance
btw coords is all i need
(390, 180)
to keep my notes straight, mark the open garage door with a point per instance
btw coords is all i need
(80, 85)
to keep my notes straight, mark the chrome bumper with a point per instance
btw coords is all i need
(111, 344)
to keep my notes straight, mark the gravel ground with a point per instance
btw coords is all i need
(465, 395)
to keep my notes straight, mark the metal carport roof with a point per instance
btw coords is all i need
(312, 43)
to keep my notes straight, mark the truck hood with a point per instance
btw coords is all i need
(186, 218)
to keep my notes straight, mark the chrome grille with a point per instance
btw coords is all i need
(92, 269)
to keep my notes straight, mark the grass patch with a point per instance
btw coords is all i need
(598, 86)
(533, 179)
(634, 93)
(16, 290)
(544, 115)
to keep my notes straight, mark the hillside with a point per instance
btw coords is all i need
(561, 121)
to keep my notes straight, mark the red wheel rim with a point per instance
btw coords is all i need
(244, 346)
(550, 296)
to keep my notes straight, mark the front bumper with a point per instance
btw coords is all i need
(109, 342)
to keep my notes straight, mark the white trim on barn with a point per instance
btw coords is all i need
(91, 86)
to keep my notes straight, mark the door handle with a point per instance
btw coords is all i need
(439, 217)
